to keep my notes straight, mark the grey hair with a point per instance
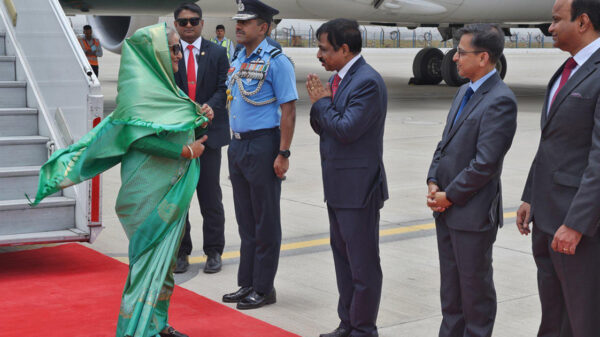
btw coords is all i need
(172, 32)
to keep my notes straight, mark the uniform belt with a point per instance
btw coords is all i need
(253, 133)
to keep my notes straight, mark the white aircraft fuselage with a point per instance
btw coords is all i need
(401, 12)
(118, 19)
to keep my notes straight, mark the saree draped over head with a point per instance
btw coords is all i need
(156, 191)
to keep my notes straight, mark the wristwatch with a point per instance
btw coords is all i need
(285, 153)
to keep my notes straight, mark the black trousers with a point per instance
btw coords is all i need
(210, 199)
(95, 69)
(467, 288)
(256, 195)
(569, 287)
(355, 245)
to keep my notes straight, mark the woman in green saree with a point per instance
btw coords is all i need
(152, 134)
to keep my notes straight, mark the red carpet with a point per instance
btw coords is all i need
(71, 290)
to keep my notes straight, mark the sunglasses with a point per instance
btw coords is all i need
(192, 21)
(176, 48)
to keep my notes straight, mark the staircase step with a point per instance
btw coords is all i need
(69, 235)
(7, 68)
(16, 181)
(23, 151)
(18, 122)
(53, 213)
(13, 94)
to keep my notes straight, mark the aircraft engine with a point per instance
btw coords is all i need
(112, 30)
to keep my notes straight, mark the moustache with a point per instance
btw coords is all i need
(239, 32)
(321, 59)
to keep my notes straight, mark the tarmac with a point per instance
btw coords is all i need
(305, 283)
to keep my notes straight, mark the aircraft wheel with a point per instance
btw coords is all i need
(449, 71)
(427, 66)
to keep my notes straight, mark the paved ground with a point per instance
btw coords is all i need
(305, 283)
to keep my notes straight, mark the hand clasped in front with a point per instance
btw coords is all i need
(315, 88)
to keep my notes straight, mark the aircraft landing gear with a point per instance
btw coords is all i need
(449, 71)
(431, 66)
(427, 66)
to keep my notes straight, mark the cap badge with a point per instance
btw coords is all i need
(241, 6)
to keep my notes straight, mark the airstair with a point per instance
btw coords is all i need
(49, 98)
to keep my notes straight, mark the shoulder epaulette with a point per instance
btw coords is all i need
(275, 52)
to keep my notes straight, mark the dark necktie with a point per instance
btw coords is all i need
(335, 85)
(191, 73)
(566, 73)
(465, 99)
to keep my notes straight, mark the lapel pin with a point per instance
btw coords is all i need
(202, 53)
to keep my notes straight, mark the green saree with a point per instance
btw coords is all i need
(156, 191)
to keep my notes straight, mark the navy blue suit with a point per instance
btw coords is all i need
(212, 65)
(351, 128)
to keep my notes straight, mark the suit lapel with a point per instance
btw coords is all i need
(182, 73)
(201, 64)
(548, 89)
(454, 109)
(348, 78)
(471, 105)
(584, 72)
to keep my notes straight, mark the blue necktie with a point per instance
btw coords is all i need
(465, 99)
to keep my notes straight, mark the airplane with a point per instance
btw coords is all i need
(115, 20)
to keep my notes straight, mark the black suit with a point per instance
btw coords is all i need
(467, 165)
(211, 65)
(563, 187)
(351, 132)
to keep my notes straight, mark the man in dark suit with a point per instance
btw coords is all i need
(464, 183)
(563, 188)
(202, 74)
(349, 116)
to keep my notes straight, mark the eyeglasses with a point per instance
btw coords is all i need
(462, 52)
(192, 21)
(176, 48)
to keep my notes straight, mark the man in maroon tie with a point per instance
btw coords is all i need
(202, 74)
(349, 117)
(563, 188)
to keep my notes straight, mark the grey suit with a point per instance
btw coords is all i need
(467, 165)
(563, 187)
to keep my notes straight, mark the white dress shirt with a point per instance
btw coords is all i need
(581, 58)
(347, 67)
(186, 53)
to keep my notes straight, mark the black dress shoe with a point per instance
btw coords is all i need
(339, 332)
(183, 263)
(172, 333)
(213, 263)
(257, 300)
(238, 295)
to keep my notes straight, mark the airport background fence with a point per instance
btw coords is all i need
(395, 37)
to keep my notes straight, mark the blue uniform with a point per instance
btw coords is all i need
(279, 84)
(267, 80)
